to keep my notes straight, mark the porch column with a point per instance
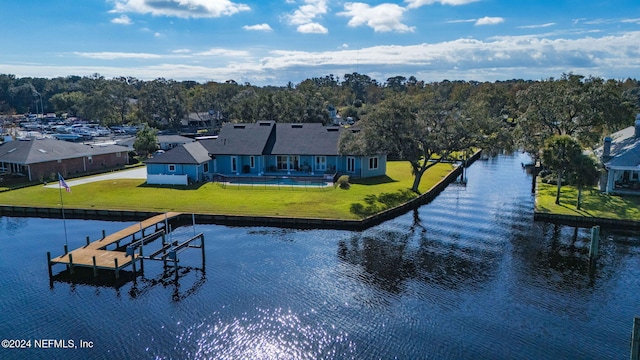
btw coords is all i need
(610, 180)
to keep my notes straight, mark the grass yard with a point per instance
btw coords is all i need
(211, 198)
(594, 203)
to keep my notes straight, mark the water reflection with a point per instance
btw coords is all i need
(263, 334)
(391, 257)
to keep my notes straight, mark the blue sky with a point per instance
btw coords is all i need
(274, 42)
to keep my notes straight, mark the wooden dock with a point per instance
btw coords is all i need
(95, 254)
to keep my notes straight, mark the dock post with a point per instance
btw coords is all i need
(141, 260)
(88, 241)
(202, 248)
(71, 263)
(635, 340)
(595, 239)
(133, 264)
(49, 265)
(104, 234)
(117, 269)
(66, 249)
(95, 268)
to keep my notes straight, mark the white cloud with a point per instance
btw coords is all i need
(306, 15)
(633, 21)
(223, 52)
(181, 51)
(180, 8)
(489, 21)
(312, 28)
(461, 21)
(122, 20)
(419, 3)
(536, 26)
(258, 27)
(308, 12)
(498, 58)
(106, 55)
(381, 18)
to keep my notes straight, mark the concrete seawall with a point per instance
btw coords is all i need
(246, 220)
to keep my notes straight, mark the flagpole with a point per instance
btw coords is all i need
(64, 221)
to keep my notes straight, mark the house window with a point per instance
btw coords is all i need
(205, 167)
(351, 164)
(234, 164)
(90, 158)
(282, 162)
(321, 163)
(252, 161)
(172, 168)
(118, 154)
(373, 163)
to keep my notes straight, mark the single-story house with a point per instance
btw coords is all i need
(620, 156)
(165, 142)
(168, 142)
(268, 148)
(265, 148)
(184, 164)
(38, 159)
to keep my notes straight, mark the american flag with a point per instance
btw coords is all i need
(63, 183)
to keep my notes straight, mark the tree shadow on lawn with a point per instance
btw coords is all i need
(384, 179)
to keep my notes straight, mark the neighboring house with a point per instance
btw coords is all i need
(620, 156)
(267, 148)
(184, 164)
(167, 142)
(42, 159)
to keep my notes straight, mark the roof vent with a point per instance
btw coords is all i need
(264, 123)
(239, 126)
(333, 129)
(296, 126)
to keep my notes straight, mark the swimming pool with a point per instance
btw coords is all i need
(273, 181)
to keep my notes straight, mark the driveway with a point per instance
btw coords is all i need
(137, 173)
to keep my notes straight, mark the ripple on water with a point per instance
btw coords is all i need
(263, 334)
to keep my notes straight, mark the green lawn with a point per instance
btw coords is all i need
(210, 198)
(594, 203)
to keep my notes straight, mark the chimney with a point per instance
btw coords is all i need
(606, 149)
(638, 125)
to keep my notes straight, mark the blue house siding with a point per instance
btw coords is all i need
(194, 172)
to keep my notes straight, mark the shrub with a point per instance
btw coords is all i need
(343, 182)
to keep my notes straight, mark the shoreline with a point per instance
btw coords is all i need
(246, 220)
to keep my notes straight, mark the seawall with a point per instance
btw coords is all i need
(246, 220)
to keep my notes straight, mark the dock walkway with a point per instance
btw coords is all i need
(95, 255)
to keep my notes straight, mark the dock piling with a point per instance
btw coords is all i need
(88, 241)
(95, 268)
(49, 265)
(635, 340)
(595, 239)
(71, 263)
(117, 269)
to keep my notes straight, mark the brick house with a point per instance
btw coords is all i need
(42, 159)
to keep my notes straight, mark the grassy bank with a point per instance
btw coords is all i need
(210, 198)
(594, 203)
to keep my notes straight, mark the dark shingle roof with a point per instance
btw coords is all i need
(625, 149)
(241, 139)
(44, 150)
(306, 139)
(189, 153)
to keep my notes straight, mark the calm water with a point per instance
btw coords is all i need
(469, 276)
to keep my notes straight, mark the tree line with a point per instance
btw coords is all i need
(422, 122)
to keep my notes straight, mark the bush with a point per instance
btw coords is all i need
(343, 182)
